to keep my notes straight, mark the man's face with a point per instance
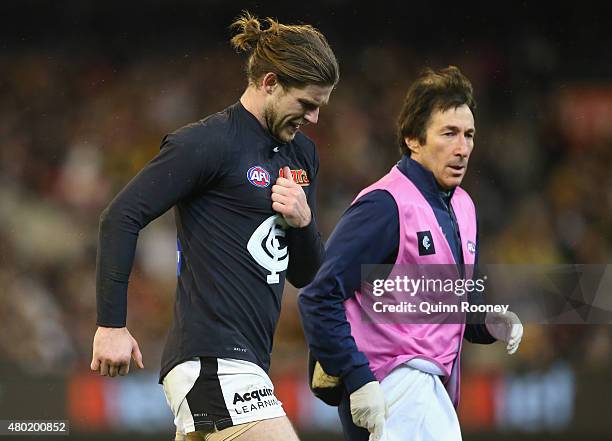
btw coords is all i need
(287, 109)
(449, 143)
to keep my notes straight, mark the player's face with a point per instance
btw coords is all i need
(287, 109)
(449, 143)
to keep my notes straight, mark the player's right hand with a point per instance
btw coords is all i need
(289, 200)
(112, 350)
(368, 409)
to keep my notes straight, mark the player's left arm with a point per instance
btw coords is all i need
(303, 238)
(486, 328)
(475, 329)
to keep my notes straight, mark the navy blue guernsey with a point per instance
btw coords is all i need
(234, 250)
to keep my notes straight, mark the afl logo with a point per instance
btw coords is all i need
(258, 176)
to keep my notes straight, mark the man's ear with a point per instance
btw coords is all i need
(269, 82)
(413, 145)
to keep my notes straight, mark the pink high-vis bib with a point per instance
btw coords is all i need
(388, 345)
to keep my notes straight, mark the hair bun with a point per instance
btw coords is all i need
(249, 32)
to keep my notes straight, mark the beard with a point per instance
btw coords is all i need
(276, 123)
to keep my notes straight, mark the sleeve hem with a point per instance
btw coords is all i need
(357, 378)
(110, 324)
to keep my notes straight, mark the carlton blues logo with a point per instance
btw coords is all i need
(267, 245)
(426, 244)
(258, 176)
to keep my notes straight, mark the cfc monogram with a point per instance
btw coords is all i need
(268, 248)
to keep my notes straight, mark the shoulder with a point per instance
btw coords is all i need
(373, 215)
(390, 184)
(307, 147)
(206, 140)
(463, 196)
(464, 201)
(203, 133)
(378, 197)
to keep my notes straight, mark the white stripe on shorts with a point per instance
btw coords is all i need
(206, 393)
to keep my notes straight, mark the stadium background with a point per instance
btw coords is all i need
(88, 89)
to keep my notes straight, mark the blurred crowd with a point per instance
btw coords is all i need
(75, 127)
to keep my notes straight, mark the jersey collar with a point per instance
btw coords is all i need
(253, 122)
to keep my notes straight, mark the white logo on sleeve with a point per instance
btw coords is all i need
(265, 247)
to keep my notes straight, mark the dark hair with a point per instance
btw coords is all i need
(431, 91)
(298, 54)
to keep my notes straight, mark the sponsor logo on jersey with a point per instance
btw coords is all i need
(299, 176)
(258, 176)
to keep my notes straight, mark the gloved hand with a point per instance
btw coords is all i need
(506, 327)
(368, 409)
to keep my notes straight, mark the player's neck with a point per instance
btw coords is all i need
(253, 101)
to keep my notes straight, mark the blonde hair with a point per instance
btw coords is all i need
(298, 54)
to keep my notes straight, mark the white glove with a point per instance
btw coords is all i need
(506, 327)
(368, 409)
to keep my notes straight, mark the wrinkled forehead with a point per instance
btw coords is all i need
(312, 94)
(460, 117)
